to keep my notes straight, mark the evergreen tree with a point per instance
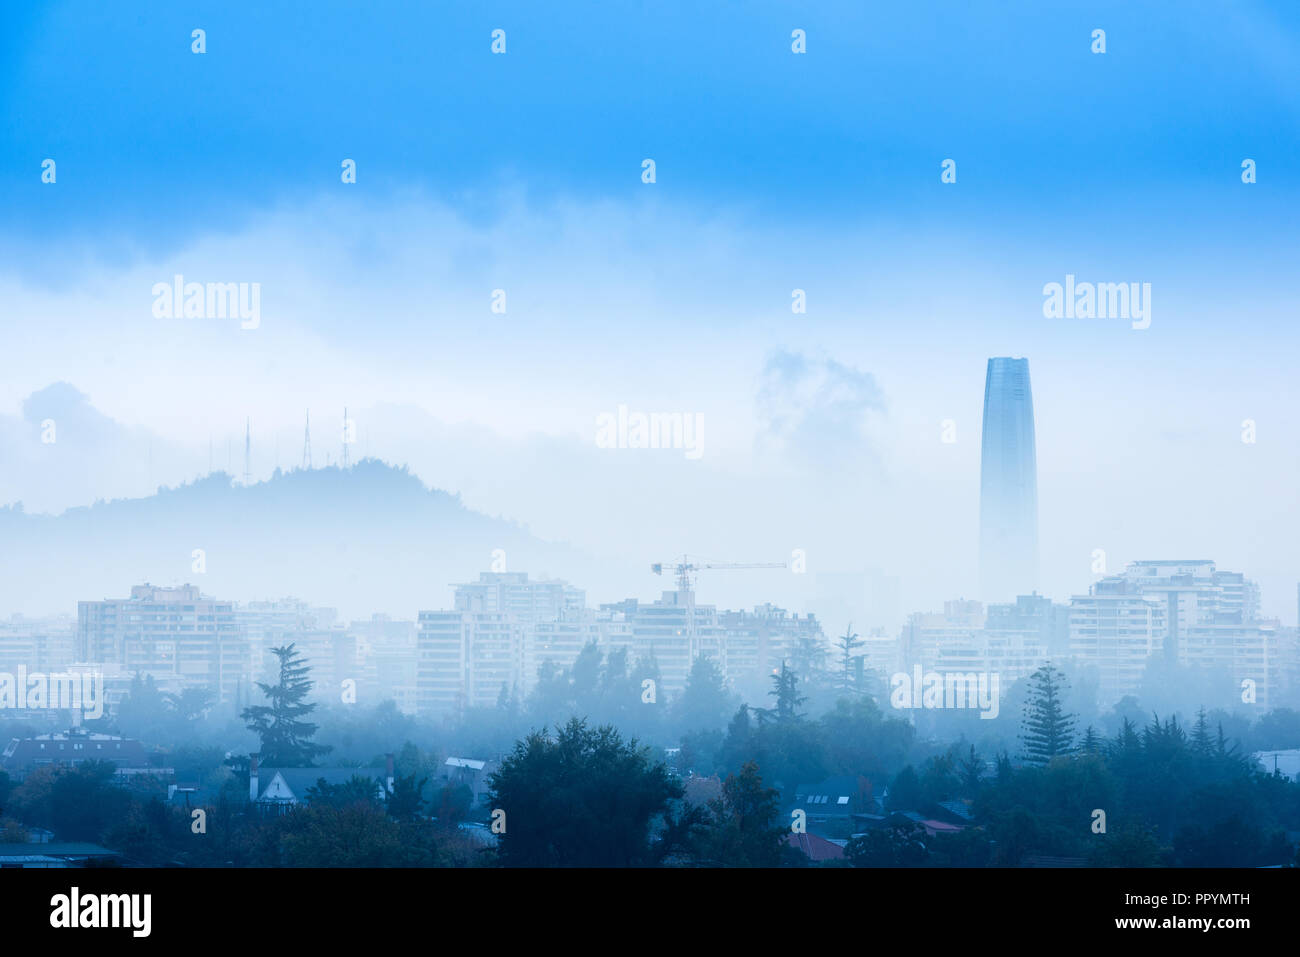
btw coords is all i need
(808, 659)
(847, 642)
(285, 736)
(1201, 742)
(971, 772)
(788, 699)
(705, 703)
(1005, 771)
(1091, 741)
(1046, 729)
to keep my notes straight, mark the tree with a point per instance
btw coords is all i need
(861, 740)
(191, 706)
(406, 801)
(705, 703)
(1046, 730)
(1091, 741)
(285, 736)
(1128, 845)
(970, 770)
(905, 791)
(1201, 742)
(742, 829)
(358, 834)
(357, 789)
(143, 710)
(581, 798)
(788, 699)
(847, 642)
(454, 802)
(901, 844)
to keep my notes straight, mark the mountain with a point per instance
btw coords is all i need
(368, 538)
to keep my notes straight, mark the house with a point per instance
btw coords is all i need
(190, 795)
(932, 827)
(276, 790)
(816, 849)
(834, 798)
(471, 772)
(699, 790)
(74, 747)
(956, 812)
(55, 854)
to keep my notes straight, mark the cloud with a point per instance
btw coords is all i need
(817, 412)
(65, 452)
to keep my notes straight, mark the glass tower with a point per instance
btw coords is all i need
(1008, 484)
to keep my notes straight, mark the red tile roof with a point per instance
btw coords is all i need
(815, 848)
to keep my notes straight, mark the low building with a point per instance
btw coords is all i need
(75, 747)
(471, 772)
(816, 849)
(276, 790)
(56, 855)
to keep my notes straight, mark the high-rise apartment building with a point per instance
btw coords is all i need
(1185, 612)
(168, 633)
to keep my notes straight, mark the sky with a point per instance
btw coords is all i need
(775, 171)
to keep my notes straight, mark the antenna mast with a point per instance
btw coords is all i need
(248, 453)
(306, 443)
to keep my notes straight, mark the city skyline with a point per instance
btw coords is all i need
(500, 631)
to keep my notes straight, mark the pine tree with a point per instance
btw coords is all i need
(1046, 729)
(847, 642)
(1127, 743)
(787, 697)
(971, 772)
(1091, 741)
(286, 738)
(808, 658)
(1201, 742)
(1004, 770)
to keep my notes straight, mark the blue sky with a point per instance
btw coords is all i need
(775, 171)
(156, 142)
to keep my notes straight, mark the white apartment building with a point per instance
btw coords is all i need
(504, 628)
(271, 624)
(1116, 629)
(1187, 611)
(39, 644)
(464, 659)
(168, 633)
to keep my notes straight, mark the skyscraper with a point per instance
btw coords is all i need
(1008, 484)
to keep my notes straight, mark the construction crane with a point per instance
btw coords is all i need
(685, 569)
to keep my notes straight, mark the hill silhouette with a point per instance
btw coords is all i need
(368, 538)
